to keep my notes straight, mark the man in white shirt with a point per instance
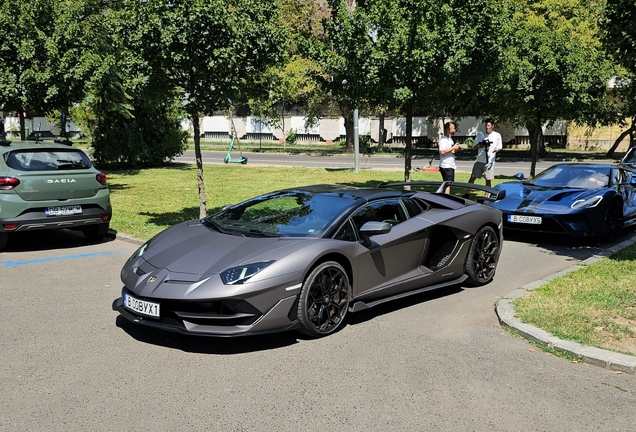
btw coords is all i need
(447, 149)
(488, 144)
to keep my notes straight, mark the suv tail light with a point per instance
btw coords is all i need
(101, 178)
(8, 183)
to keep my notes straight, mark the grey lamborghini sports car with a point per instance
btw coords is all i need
(301, 258)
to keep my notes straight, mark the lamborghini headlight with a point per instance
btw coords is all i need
(238, 275)
(587, 202)
(139, 252)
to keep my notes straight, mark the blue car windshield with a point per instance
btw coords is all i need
(289, 214)
(573, 176)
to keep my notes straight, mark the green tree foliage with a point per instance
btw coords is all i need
(24, 74)
(47, 54)
(345, 55)
(210, 51)
(620, 31)
(410, 55)
(292, 81)
(554, 67)
(132, 112)
(619, 36)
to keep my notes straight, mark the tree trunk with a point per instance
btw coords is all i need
(536, 136)
(63, 124)
(381, 135)
(620, 138)
(408, 147)
(348, 123)
(21, 117)
(197, 154)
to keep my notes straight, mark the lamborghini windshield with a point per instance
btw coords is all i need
(573, 176)
(289, 213)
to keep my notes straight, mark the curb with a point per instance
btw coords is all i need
(124, 237)
(596, 356)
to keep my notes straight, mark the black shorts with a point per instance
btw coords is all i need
(448, 174)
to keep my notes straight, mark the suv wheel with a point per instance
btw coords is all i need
(96, 232)
(4, 239)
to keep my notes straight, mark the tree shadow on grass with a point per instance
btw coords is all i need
(172, 218)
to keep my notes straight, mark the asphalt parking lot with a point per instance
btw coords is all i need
(438, 361)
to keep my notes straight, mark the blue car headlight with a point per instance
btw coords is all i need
(587, 202)
(238, 275)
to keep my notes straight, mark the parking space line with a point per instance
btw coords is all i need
(60, 258)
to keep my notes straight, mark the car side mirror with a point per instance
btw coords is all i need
(519, 176)
(373, 228)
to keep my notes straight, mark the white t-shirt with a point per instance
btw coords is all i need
(495, 139)
(446, 160)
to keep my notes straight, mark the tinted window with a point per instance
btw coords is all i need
(575, 176)
(346, 232)
(619, 177)
(47, 160)
(287, 213)
(390, 211)
(412, 207)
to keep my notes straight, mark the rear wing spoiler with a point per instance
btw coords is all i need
(494, 194)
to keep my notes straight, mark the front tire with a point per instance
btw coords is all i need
(481, 262)
(324, 300)
(613, 223)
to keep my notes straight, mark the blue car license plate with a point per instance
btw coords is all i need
(535, 220)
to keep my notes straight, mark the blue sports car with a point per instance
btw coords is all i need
(579, 199)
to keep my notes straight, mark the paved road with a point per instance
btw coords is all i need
(376, 162)
(435, 362)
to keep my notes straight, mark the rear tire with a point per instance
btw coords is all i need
(483, 254)
(4, 240)
(96, 232)
(324, 300)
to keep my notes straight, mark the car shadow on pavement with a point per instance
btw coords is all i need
(246, 344)
(578, 248)
(50, 240)
(206, 344)
(405, 302)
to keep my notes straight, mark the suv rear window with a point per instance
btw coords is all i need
(47, 160)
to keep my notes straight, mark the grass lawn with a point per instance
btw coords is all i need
(593, 306)
(147, 201)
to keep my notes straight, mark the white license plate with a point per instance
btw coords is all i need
(63, 211)
(536, 220)
(142, 307)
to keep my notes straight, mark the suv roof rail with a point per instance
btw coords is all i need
(55, 140)
(4, 142)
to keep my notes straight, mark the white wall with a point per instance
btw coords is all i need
(419, 128)
(256, 125)
(298, 124)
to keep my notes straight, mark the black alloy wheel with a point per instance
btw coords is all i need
(481, 262)
(324, 300)
(613, 224)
